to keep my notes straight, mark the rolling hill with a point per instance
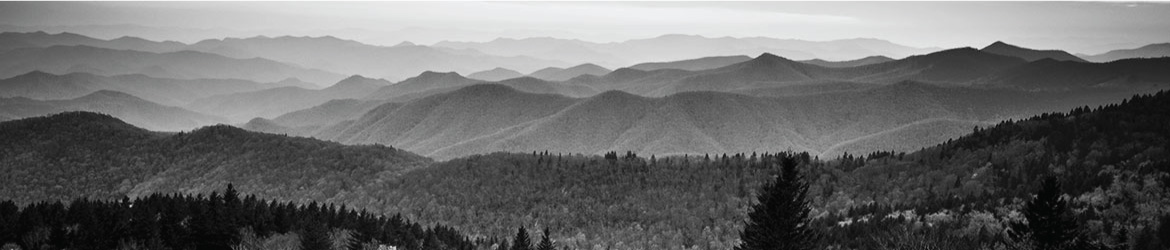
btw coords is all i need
(132, 109)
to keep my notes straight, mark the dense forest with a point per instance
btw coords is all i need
(1099, 174)
(216, 221)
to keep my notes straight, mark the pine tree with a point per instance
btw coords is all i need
(1049, 224)
(314, 237)
(522, 242)
(781, 218)
(545, 242)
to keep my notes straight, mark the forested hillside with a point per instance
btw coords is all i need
(81, 154)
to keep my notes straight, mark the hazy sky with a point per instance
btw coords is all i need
(1075, 26)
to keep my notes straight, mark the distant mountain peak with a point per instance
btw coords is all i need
(405, 44)
(1031, 55)
(433, 74)
(767, 56)
(356, 77)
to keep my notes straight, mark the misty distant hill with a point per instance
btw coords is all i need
(269, 103)
(851, 63)
(174, 92)
(351, 57)
(693, 64)
(1031, 55)
(495, 74)
(178, 65)
(676, 47)
(40, 39)
(121, 105)
(559, 74)
(1148, 51)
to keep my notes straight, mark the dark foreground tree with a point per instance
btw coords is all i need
(1049, 225)
(545, 242)
(522, 242)
(781, 218)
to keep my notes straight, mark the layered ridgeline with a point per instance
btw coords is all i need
(326, 53)
(489, 118)
(126, 107)
(963, 194)
(179, 65)
(273, 102)
(81, 154)
(680, 47)
(174, 92)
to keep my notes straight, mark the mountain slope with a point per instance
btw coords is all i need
(124, 106)
(1031, 55)
(178, 65)
(93, 155)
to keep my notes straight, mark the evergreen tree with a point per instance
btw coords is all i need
(522, 242)
(545, 242)
(781, 218)
(314, 237)
(1049, 224)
